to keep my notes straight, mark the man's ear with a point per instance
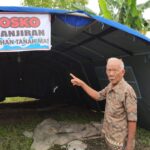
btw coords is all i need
(123, 71)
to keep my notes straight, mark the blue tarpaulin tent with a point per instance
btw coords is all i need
(81, 44)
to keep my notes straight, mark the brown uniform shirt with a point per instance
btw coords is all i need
(121, 107)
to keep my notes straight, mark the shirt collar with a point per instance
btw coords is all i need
(117, 86)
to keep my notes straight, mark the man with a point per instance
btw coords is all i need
(119, 126)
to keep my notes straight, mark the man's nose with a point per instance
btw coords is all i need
(111, 73)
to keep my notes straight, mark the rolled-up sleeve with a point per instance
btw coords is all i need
(102, 94)
(131, 105)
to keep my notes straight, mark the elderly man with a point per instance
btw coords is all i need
(119, 126)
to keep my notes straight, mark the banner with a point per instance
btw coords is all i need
(24, 32)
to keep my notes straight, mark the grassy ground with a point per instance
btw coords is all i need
(13, 122)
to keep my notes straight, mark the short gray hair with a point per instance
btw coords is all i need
(121, 63)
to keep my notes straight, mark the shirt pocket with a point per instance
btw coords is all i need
(116, 107)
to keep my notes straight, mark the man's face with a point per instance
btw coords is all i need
(114, 72)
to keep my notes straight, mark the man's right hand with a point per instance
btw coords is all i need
(76, 81)
(90, 91)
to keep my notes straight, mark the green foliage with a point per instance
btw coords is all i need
(104, 10)
(61, 4)
(126, 12)
(130, 15)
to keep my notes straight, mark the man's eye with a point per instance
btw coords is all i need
(115, 70)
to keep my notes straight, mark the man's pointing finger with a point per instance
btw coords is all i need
(73, 76)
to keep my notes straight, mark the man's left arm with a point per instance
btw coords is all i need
(131, 109)
(131, 135)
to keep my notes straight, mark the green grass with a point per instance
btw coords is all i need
(12, 138)
(75, 117)
(11, 133)
(143, 137)
(11, 129)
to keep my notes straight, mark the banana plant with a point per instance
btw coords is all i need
(105, 12)
(126, 12)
